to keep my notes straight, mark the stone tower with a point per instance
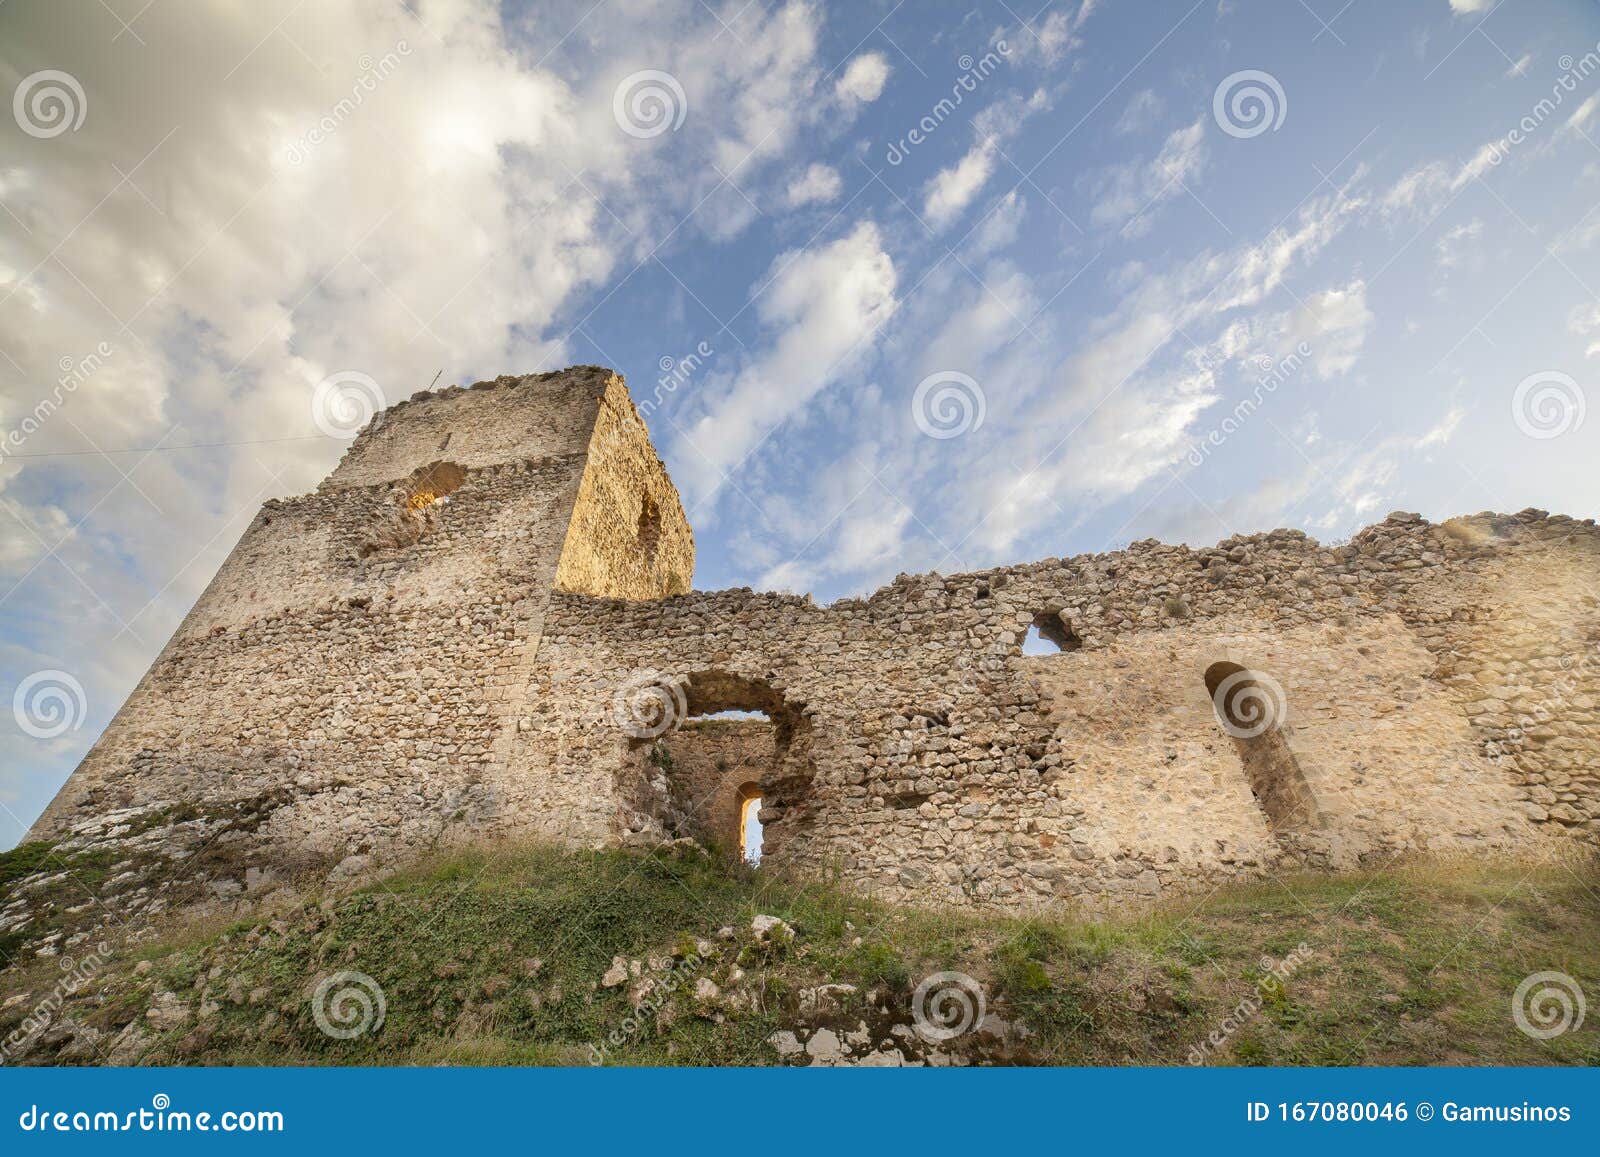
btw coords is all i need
(362, 650)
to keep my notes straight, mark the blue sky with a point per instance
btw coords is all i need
(1179, 270)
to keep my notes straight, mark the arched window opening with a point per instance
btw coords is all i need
(750, 823)
(1033, 643)
(734, 772)
(1051, 632)
(1251, 707)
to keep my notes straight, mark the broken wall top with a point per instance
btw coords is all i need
(494, 423)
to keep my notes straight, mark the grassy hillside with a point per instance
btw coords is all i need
(500, 956)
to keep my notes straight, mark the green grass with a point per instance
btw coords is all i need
(493, 956)
(23, 860)
(81, 875)
(88, 869)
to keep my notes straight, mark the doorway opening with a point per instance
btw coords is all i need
(750, 824)
(735, 774)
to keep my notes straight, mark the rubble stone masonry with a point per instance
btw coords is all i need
(481, 626)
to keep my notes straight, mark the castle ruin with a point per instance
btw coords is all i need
(481, 625)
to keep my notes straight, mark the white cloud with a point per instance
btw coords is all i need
(1466, 6)
(1005, 117)
(1340, 488)
(1442, 433)
(1052, 38)
(1120, 409)
(1335, 324)
(864, 522)
(1581, 236)
(1583, 321)
(863, 78)
(297, 228)
(823, 305)
(1520, 66)
(818, 183)
(1418, 189)
(1584, 318)
(1457, 245)
(1260, 269)
(1141, 112)
(977, 321)
(1426, 189)
(951, 190)
(1002, 225)
(1126, 195)
(1583, 113)
(749, 97)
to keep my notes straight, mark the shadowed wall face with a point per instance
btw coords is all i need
(1253, 712)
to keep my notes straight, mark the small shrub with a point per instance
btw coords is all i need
(881, 964)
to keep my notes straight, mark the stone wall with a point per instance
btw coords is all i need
(946, 767)
(479, 627)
